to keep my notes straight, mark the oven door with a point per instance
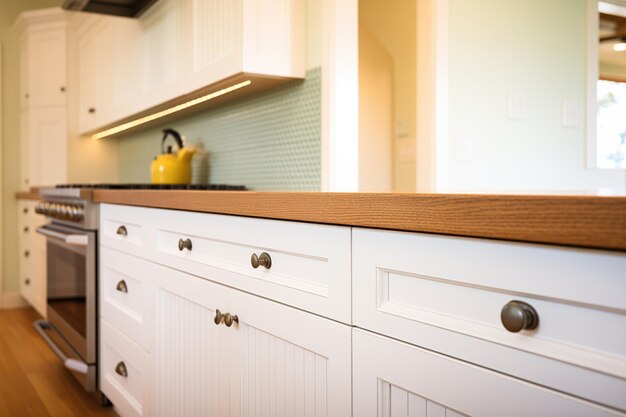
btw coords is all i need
(71, 280)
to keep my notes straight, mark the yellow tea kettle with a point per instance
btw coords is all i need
(172, 168)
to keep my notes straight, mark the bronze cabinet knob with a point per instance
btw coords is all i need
(26, 229)
(122, 287)
(27, 281)
(218, 317)
(121, 370)
(26, 254)
(91, 110)
(184, 244)
(122, 231)
(518, 315)
(263, 259)
(230, 319)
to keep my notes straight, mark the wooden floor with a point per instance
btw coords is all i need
(33, 381)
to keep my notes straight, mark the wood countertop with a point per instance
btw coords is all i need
(32, 194)
(583, 221)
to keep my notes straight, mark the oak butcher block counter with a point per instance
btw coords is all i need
(585, 221)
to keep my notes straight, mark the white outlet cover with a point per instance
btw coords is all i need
(517, 104)
(464, 148)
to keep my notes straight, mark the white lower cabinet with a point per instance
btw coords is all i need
(393, 379)
(272, 360)
(32, 256)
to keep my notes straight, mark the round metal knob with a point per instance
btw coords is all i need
(27, 281)
(518, 315)
(120, 369)
(62, 89)
(122, 231)
(263, 259)
(26, 254)
(184, 244)
(230, 319)
(91, 110)
(26, 229)
(218, 317)
(25, 210)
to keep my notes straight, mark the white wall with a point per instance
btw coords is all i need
(529, 54)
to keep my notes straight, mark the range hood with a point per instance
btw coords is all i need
(127, 8)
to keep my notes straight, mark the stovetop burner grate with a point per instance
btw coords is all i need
(201, 187)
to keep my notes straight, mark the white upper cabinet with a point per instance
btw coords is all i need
(182, 49)
(43, 89)
(42, 60)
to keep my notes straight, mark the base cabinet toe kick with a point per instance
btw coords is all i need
(217, 315)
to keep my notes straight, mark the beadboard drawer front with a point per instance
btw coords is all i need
(310, 264)
(125, 295)
(124, 228)
(393, 379)
(446, 294)
(128, 393)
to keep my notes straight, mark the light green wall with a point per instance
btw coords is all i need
(9, 10)
(533, 49)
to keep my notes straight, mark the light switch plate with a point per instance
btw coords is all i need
(571, 113)
(517, 106)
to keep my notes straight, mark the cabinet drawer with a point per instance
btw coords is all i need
(447, 293)
(393, 379)
(310, 264)
(124, 228)
(123, 372)
(125, 295)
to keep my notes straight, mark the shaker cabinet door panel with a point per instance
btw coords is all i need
(396, 379)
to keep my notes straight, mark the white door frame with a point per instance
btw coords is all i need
(340, 96)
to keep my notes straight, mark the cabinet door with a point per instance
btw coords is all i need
(396, 379)
(44, 70)
(47, 138)
(275, 361)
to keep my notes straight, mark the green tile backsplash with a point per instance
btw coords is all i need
(267, 142)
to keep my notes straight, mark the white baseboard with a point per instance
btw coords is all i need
(12, 300)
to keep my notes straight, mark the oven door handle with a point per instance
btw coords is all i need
(69, 238)
(73, 364)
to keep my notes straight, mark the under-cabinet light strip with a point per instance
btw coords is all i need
(166, 112)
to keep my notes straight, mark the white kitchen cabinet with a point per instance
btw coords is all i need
(45, 145)
(182, 49)
(446, 294)
(272, 360)
(393, 379)
(32, 256)
(43, 88)
(42, 58)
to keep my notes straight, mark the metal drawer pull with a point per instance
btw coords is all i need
(26, 254)
(262, 260)
(227, 318)
(518, 315)
(26, 229)
(122, 231)
(120, 369)
(121, 286)
(184, 244)
(27, 281)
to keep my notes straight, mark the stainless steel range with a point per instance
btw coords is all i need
(72, 274)
(71, 241)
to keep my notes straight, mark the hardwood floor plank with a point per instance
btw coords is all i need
(33, 382)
